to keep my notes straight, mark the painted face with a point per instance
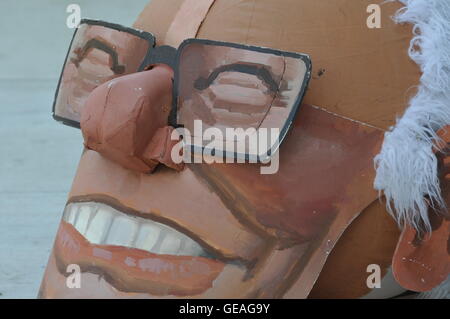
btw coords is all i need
(225, 230)
(204, 231)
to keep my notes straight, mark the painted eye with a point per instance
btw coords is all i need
(96, 56)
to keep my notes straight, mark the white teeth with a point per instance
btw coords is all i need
(81, 223)
(170, 244)
(71, 213)
(191, 248)
(99, 226)
(102, 224)
(147, 237)
(122, 232)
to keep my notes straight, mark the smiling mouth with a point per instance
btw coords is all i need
(132, 253)
(103, 225)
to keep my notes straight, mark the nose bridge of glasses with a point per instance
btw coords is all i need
(160, 55)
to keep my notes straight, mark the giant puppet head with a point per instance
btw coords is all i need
(140, 225)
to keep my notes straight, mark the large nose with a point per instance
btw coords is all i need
(122, 118)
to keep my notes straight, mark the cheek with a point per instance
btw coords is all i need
(326, 169)
(283, 202)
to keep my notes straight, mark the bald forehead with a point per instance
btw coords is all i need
(157, 17)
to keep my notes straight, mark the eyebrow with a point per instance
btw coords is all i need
(261, 72)
(97, 44)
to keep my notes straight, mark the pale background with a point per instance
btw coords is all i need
(38, 156)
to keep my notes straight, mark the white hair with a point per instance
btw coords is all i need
(406, 167)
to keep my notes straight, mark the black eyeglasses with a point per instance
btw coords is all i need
(224, 86)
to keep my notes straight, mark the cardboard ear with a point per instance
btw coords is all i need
(422, 260)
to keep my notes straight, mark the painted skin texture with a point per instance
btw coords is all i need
(259, 243)
(91, 64)
(272, 233)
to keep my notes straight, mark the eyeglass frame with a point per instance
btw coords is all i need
(171, 56)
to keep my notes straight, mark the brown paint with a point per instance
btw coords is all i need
(300, 203)
(158, 17)
(159, 149)
(200, 61)
(187, 21)
(114, 203)
(370, 239)
(86, 70)
(235, 99)
(422, 260)
(422, 266)
(122, 118)
(195, 208)
(361, 65)
(134, 270)
(228, 284)
(435, 223)
(323, 160)
(284, 222)
(232, 98)
(369, 75)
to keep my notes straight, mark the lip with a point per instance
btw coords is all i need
(130, 269)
